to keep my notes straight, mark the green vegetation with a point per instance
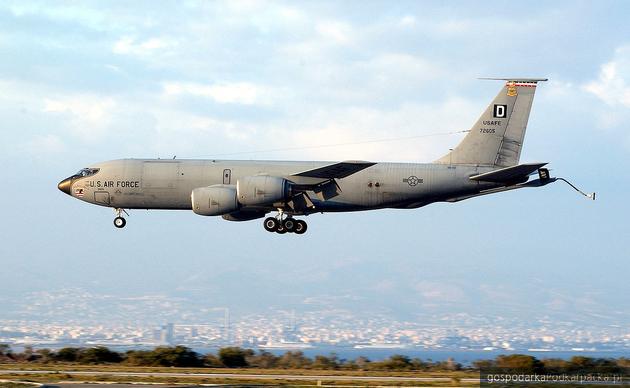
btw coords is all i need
(234, 357)
(520, 363)
(96, 355)
(247, 359)
(178, 356)
(229, 357)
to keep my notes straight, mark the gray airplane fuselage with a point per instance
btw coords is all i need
(485, 161)
(167, 184)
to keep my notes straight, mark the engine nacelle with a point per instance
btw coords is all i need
(261, 190)
(214, 200)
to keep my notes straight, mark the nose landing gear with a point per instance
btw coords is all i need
(282, 225)
(119, 221)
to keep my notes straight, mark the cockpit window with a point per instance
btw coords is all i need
(86, 172)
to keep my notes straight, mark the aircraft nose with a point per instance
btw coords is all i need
(65, 185)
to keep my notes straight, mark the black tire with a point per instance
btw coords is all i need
(289, 225)
(281, 230)
(120, 222)
(271, 224)
(300, 227)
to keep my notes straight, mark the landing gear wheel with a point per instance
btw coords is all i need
(281, 230)
(300, 227)
(120, 222)
(289, 225)
(271, 224)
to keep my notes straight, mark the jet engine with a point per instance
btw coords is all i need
(261, 190)
(214, 200)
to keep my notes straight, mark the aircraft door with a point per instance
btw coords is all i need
(227, 176)
(101, 197)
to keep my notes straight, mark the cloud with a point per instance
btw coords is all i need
(612, 88)
(80, 13)
(392, 73)
(189, 132)
(146, 123)
(407, 20)
(335, 31)
(330, 74)
(224, 93)
(613, 83)
(45, 144)
(325, 82)
(423, 130)
(89, 114)
(132, 46)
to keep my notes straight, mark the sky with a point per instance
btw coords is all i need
(83, 82)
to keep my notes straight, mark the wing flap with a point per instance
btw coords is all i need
(337, 170)
(508, 174)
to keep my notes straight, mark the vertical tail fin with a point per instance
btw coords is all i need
(496, 139)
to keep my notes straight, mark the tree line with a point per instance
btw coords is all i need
(577, 364)
(236, 357)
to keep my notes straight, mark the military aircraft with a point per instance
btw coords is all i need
(486, 161)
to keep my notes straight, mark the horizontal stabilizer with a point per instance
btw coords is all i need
(509, 174)
(337, 170)
(534, 183)
(516, 79)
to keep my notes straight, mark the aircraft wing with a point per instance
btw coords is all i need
(337, 170)
(509, 174)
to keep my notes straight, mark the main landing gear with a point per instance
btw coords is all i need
(282, 225)
(119, 221)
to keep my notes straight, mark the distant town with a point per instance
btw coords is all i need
(312, 330)
(136, 324)
(264, 333)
